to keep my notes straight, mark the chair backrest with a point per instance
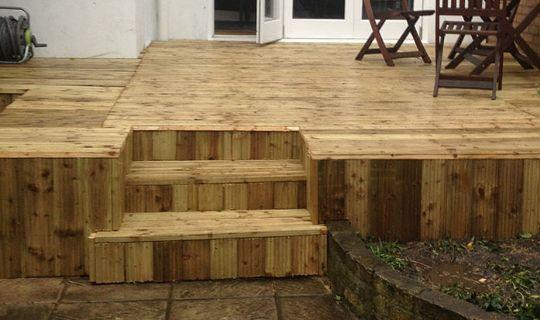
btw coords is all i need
(483, 8)
(372, 7)
(387, 5)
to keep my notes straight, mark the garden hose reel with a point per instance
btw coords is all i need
(17, 42)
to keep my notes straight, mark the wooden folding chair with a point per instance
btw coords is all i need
(494, 9)
(391, 53)
(476, 47)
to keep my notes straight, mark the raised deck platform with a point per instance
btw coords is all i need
(195, 131)
(209, 245)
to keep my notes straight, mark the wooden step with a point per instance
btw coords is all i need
(172, 246)
(215, 185)
(214, 171)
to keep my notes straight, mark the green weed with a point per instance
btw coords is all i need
(389, 253)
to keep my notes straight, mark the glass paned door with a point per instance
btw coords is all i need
(392, 29)
(270, 21)
(385, 5)
(340, 19)
(317, 9)
(322, 19)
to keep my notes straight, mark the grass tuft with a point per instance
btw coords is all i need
(389, 253)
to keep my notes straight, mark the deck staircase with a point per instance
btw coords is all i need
(211, 219)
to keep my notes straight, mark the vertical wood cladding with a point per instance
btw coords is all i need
(432, 199)
(216, 145)
(208, 259)
(48, 207)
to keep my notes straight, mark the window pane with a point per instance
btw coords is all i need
(270, 10)
(319, 9)
(235, 17)
(387, 5)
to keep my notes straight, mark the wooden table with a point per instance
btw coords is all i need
(513, 40)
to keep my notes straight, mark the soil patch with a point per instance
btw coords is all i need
(498, 276)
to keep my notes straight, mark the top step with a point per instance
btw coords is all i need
(214, 171)
(500, 143)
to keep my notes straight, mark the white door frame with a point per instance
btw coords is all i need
(360, 28)
(392, 29)
(210, 26)
(325, 28)
(269, 29)
(427, 31)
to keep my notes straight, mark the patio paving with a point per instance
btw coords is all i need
(76, 298)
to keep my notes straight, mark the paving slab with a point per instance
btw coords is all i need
(317, 307)
(301, 286)
(222, 289)
(30, 290)
(142, 310)
(225, 309)
(38, 311)
(84, 291)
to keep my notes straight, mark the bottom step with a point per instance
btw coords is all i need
(173, 246)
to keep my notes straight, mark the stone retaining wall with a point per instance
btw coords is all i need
(372, 290)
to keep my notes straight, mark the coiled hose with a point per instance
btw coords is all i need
(13, 47)
(16, 40)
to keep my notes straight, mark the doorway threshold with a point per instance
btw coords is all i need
(234, 37)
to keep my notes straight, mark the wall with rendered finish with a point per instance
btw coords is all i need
(146, 22)
(189, 19)
(90, 29)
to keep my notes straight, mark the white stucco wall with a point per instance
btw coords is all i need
(146, 22)
(189, 19)
(91, 28)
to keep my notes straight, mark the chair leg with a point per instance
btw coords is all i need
(375, 27)
(456, 47)
(368, 43)
(439, 54)
(463, 54)
(403, 37)
(497, 70)
(459, 42)
(418, 41)
(501, 69)
(382, 46)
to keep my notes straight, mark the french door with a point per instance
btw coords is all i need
(269, 21)
(339, 19)
(323, 19)
(392, 29)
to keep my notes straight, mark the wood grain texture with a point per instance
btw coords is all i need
(435, 199)
(310, 86)
(5, 100)
(224, 259)
(173, 246)
(216, 145)
(251, 257)
(208, 259)
(331, 190)
(50, 207)
(467, 166)
(215, 197)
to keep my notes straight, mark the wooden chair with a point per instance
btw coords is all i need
(477, 48)
(486, 9)
(391, 53)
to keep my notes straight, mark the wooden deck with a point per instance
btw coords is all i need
(240, 86)
(192, 128)
(63, 92)
(227, 86)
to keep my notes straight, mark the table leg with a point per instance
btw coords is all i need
(521, 59)
(459, 42)
(514, 38)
